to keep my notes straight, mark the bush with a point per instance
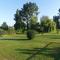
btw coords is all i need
(30, 34)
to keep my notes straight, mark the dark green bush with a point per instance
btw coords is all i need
(30, 34)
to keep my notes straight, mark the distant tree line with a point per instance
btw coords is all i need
(26, 20)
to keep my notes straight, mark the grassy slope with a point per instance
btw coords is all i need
(42, 47)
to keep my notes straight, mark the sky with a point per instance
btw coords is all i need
(8, 9)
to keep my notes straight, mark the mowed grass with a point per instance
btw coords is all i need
(18, 47)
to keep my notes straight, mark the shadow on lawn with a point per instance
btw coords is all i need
(49, 52)
(54, 37)
(13, 39)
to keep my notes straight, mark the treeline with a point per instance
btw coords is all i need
(5, 29)
(26, 20)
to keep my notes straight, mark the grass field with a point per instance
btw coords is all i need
(18, 47)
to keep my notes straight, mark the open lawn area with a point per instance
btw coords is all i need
(18, 47)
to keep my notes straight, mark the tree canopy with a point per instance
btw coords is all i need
(4, 26)
(28, 12)
(47, 24)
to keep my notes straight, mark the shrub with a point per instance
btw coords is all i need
(30, 34)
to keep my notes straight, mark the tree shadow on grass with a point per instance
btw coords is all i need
(49, 52)
(16, 39)
(52, 52)
(54, 37)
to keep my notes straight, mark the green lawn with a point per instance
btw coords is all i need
(42, 47)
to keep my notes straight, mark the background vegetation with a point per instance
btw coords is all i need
(29, 39)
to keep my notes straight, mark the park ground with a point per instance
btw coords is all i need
(18, 47)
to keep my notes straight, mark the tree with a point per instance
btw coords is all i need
(33, 22)
(25, 15)
(37, 27)
(30, 34)
(4, 26)
(19, 25)
(47, 24)
(56, 19)
(18, 20)
(29, 10)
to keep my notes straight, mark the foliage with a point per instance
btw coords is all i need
(19, 22)
(29, 9)
(33, 22)
(38, 27)
(30, 34)
(4, 26)
(25, 15)
(56, 19)
(47, 24)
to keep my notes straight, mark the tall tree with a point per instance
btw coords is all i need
(25, 15)
(18, 20)
(29, 10)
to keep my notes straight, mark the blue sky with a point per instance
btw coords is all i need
(7, 11)
(9, 7)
